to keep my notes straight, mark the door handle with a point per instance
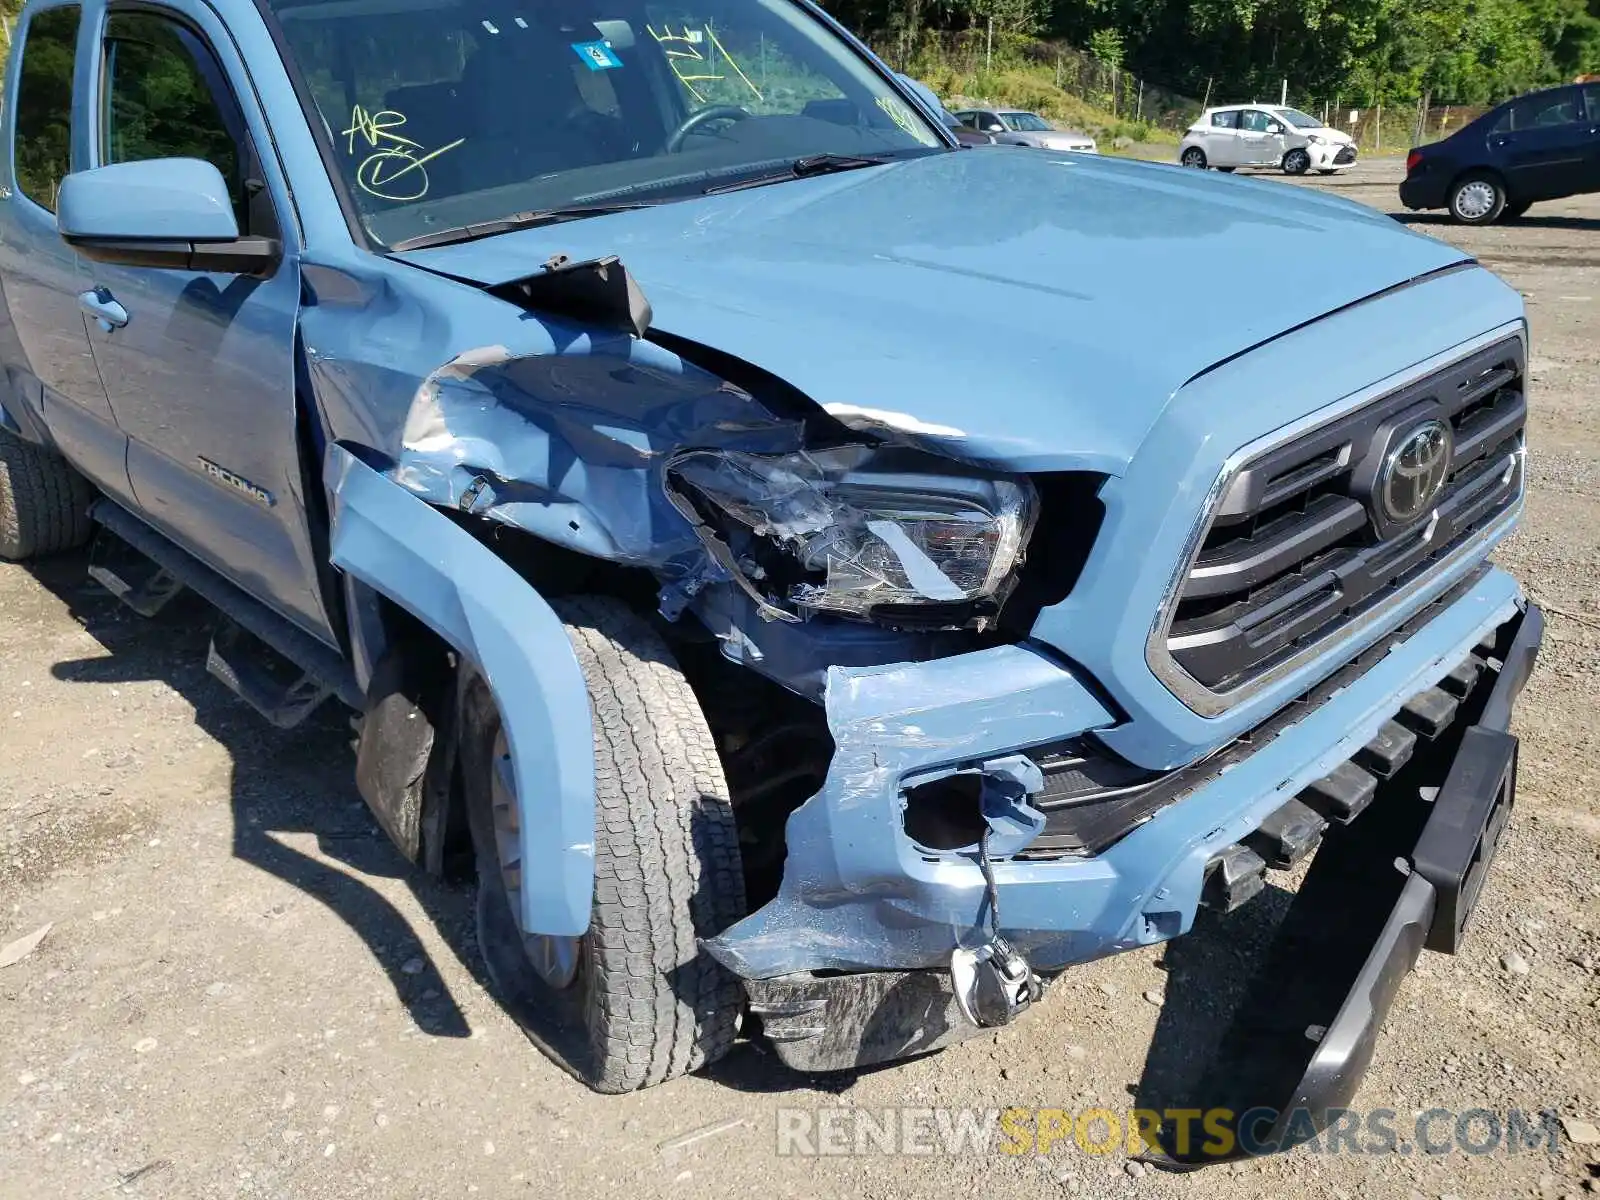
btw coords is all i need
(100, 304)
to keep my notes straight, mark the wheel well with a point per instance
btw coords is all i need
(445, 844)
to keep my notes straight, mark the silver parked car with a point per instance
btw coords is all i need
(1014, 128)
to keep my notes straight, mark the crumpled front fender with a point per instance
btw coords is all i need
(405, 549)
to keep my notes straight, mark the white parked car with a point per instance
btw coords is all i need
(1010, 127)
(1265, 135)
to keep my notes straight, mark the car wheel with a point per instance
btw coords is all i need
(1193, 157)
(1227, 170)
(44, 503)
(1513, 212)
(1296, 162)
(1477, 199)
(634, 1000)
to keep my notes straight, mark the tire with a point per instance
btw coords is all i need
(1193, 157)
(1327, 170)
(44, 503)
(635, 1001)
(1227, 170)
(1477, 198)
(1515, 212)
(1296, 162)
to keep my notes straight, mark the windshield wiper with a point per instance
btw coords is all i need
(802, 168)
(522, 220)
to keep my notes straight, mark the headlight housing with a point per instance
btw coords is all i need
(1316, 139)
(863, 531)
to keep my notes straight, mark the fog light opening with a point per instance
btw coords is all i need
(946, 813)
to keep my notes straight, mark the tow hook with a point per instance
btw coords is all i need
(993, 982)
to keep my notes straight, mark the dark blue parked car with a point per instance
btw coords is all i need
(599, 398)
(1541, 146)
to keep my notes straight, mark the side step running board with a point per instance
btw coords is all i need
(241, 652)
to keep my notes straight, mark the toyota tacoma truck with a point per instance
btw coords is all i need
(594, 396)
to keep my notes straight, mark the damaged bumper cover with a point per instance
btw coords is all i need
(1300, 1044)
(859, 894)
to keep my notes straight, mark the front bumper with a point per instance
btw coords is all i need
(1402, 880)
(1302, 1040)
(859, 895)
(1332, 156)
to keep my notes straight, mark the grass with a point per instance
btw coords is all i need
(1019, 85)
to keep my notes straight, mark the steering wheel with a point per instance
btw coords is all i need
(717, 112)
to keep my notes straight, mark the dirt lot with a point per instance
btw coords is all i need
(245, 992)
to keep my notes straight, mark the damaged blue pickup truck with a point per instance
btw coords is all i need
(598, 397)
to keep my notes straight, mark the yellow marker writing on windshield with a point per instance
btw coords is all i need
(394, 170)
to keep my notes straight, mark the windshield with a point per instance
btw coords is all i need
(443, 114)
(1025, 122)
(1298, 119)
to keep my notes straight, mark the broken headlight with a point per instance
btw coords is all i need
(866, 531)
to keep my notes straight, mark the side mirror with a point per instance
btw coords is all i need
(163, 212)
(1274, 128)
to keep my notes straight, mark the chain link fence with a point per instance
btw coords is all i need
(1048, 77)
(1395, 128)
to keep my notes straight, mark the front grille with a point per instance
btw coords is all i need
(1299, 545)
(1347, 154)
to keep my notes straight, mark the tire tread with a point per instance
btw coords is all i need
(44, 502)
(667, 867)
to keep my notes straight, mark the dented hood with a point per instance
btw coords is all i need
(1028, 310)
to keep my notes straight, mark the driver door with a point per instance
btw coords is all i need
(200, 366)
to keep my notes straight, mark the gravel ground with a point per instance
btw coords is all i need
(245, 992)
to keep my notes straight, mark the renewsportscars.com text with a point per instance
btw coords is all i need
(841, 1130)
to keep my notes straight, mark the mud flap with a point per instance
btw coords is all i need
(1404, 877)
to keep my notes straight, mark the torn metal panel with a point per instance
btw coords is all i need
(573, 447)
(856, 894)
(400, 546)
(522, 418)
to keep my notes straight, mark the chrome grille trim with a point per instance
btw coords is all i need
(1210, 703)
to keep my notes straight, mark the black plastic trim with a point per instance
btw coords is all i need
(1454, 843)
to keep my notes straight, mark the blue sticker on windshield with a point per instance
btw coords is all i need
(597, 56)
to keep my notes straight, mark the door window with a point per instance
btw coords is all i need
(165, 97)
(1253, 120)
(1546, 111)
(1225, 120)
(43, 146)
(1591, 102)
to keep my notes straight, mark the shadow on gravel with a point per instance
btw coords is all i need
(1209, 972)
(299, 781)
(1531, 221)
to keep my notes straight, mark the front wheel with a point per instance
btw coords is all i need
(44, 503)
(634, 1001)
(1477, 199)
(1296, 162)
(1193, 157)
